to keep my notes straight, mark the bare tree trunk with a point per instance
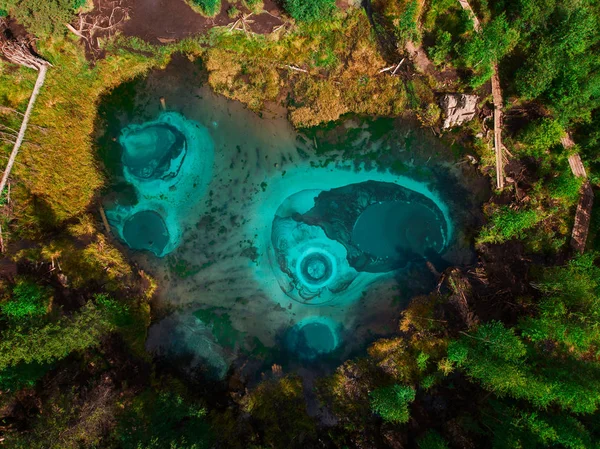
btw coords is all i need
(13, 155)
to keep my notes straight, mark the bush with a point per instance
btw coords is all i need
(506, 224)
(540, 135)
(407, 28)
(157, 420)
(442, 47)
(55, 341)
(28, 300)
(565, 187)
(43, 17)
(391, 403)
(310, 10)
(432, 440)
(208, 7)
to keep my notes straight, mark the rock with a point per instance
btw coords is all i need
(458, 109)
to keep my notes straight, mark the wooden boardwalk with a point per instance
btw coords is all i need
(583, 215)
(498, 105)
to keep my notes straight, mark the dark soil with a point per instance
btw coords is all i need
(164, 21)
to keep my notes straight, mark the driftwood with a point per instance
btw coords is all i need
(103, 22)
(20, 52)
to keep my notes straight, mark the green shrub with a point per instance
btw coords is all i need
(565, 187)
(442, 48)
(506, 224)
(22, 375)
(540, 135)
(233, 12)
(163, 420)
(253, 5)
(208, 7)
(43, 17)
(28, 300)
(432, 440)
(391, 403)
(56, 340)
(310, 10)
(407, 28)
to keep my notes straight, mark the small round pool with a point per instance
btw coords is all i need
(312, 337)
(147, 150)
(146, 230)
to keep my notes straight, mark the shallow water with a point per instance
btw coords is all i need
(283, 247)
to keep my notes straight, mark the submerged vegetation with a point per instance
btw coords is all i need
(505, 353)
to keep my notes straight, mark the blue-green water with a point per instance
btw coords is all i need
(146, 230)
(398, 231)
(274, 244)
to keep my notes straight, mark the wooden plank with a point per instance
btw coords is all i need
(583, 216)
(497, 96)
(577, 166)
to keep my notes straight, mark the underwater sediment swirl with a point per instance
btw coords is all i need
(168, 161)
(324, 239)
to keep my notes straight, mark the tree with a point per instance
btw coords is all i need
(55, 340)
(504, 364)
(442, 48)
(560, 64)
(486, 48)
(540, 135)
(278, 406)
(163, 419)
(391, 403)
(569, 310)
(432, 440)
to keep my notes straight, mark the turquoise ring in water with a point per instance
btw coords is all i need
(316, 268)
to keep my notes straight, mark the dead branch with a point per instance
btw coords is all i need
(387, 69)
(103, 21)
(7, 110)
(398, 66)
(20, 52)
(297, 69)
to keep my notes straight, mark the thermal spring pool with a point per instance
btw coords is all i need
(271, 245)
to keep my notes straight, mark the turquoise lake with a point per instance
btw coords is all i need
(272, 244)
